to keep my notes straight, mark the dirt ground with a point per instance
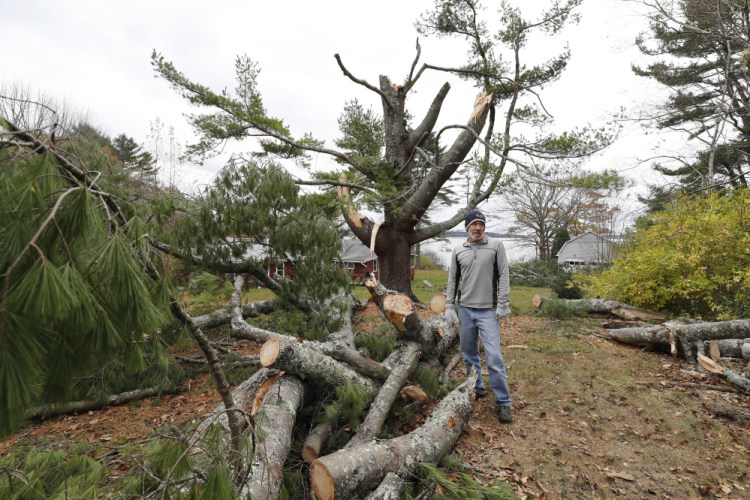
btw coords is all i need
(592, 419)
(597, 419)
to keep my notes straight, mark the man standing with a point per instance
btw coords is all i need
(478, 286)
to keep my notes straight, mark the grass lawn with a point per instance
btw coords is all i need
(520, 296)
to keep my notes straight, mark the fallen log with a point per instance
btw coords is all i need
(275, 438)
(309, 364)
(387, 394)
(624, 311)
(685, 335)
(729, 348)
(360, 468)
(53, 410)
(734, 378)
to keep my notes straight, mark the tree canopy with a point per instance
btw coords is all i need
(400, 164)
(700, 52)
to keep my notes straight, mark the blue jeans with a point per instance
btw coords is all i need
(481, 323)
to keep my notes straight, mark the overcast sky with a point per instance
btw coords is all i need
(95, 55)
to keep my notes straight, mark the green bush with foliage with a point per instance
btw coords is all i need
(693, 258)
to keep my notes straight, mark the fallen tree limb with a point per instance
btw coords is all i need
(310, 364)
(280, 407)
(224, 316)
(734, 378)
(624, 311)
(48, 411)
(360, 468)
(314, 441)
(387, 394)
(729, 348)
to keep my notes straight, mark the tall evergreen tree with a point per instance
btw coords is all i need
(140, 163)
(701, 52)
(384, 159)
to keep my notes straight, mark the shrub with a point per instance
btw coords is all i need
(694, 259)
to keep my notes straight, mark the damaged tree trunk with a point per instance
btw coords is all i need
(360, 468)
(434, 335)
(624, 311)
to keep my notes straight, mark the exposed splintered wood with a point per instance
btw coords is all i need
(314, 441)
(387, 394)
(345, 198)
(390, 488)
(360, 468)
(310, 364)
(734, 378)
(713, 350)
(396, 308)
(275, 438)
(624, 311)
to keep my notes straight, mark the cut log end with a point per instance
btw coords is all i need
(437, 304)
(415, 393)
(397, 308)
(309, 454)
(270, 352)
(536, 301)
(322, 481)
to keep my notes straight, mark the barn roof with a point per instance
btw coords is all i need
(354, 251)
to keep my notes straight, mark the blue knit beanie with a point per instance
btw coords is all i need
(472, 216)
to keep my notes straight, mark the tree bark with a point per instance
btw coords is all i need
(391, 488)
(280, 406)
(360, 468)
(310, 364)
(619, 309)
(731, 348)
(315, 440)
(382, 403)
(224, 316)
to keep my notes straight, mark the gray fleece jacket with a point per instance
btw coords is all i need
(478, 275)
